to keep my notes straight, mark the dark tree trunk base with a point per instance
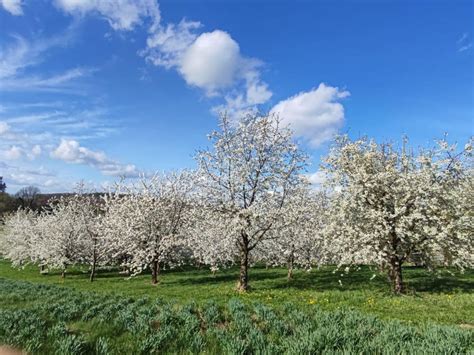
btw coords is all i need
(396, 277)
(92, 275)
(155, 271)
(291, 261)
(243, 284)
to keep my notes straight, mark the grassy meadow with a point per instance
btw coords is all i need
(192, 311)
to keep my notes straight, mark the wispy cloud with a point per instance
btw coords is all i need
(465, 47)
(63, 82)
(20, 59)
(18, 56)
(464, 43)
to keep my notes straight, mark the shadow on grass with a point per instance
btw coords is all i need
(230, 275)
(420, 280)
(323, 279)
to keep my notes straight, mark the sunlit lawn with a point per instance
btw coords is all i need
(445, 298)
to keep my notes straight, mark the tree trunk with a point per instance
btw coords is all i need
(42, 267)
(291, 260)
(92, 275)
(63, 274)
(155, 271)
(93, 266)
(395, 274)
(243, 284)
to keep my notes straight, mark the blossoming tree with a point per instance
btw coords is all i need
(391, 204)
(246, 178)
(298, 238)
(145, 221)
(18, 240)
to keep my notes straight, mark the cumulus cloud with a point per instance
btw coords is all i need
(13, 153)
(121, 15)
(12, 6)
(315, 115)
(4, 127)
(35, 152)
(211, 61)
(71, 151)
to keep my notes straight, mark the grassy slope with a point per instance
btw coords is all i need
(446, 300)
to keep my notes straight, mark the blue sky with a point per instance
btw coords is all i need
(95, 89)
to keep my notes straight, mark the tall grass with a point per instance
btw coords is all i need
(50, 319)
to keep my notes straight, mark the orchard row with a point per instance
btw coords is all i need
(250, 200)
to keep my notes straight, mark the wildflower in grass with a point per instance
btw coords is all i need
(370, 301)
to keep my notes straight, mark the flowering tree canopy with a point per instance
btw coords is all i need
(246, 178)
(146, 220)
(393, 205)
(298, 238)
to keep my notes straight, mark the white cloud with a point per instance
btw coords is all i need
(12, 6)
(71, 151)
(166, 46)
(212, 61)
(4, 127)
(13, 153)
(257, 92)
(315, 115)
(35, 152)
(120, 14)
(17, 177)
(241, 102)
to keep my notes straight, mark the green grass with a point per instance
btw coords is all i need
(431, 298)
(47, 319)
